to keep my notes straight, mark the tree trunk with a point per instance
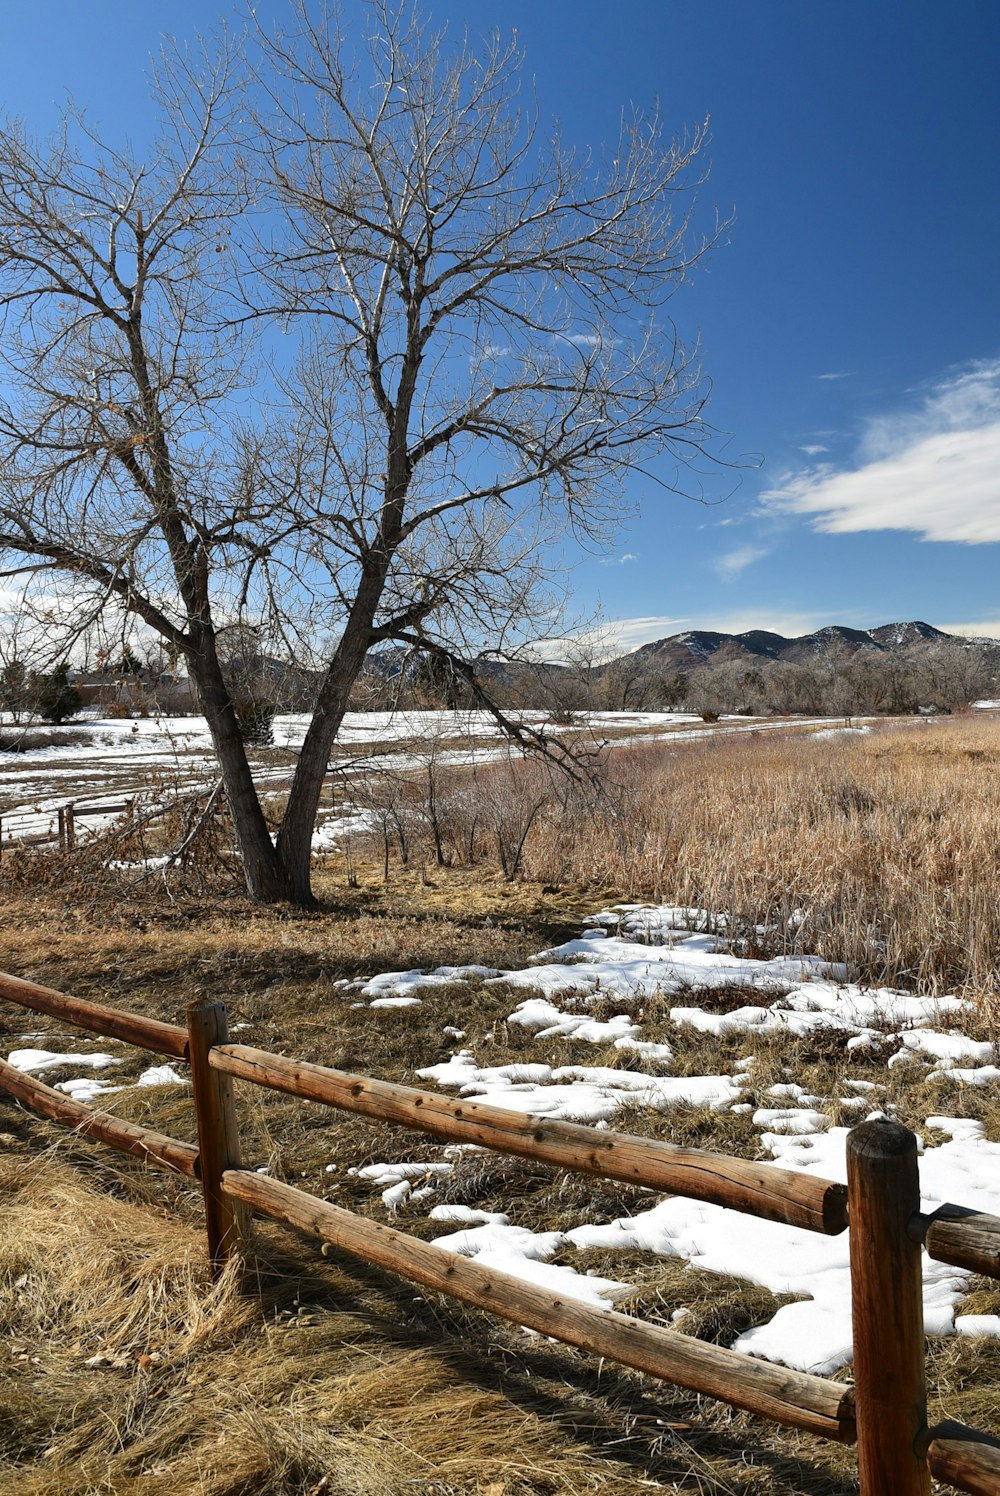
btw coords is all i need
(265, 877)
(294, 846)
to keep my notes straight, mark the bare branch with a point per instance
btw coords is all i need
(334, 364)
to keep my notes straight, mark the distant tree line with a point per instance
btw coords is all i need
(942, 677)
(130, 682)
(945, 677)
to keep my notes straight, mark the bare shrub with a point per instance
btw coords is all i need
(31, 739)
(382, 798)
(513, 795)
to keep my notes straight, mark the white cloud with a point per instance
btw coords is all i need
(737, 561)
(813, 449)
(932, 469)
(621, 635)
(773, 621)
(837, 374)
(591, 340)
(621, 560)
(988, 629)
(964, 401)
(614, 636)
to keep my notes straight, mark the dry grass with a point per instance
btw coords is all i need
(317, 1377)
(321, 1372)
(881, 850)
(321, 1377)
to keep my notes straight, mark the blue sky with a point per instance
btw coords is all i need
(849, 326)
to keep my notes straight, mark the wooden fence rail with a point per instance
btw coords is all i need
(112, 1023)
(61, 832)
(885, 1410)
(775, 1392)
(756, 1189)
(127, 1137)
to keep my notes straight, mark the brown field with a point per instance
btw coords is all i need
(314, 1376)
(885, 847)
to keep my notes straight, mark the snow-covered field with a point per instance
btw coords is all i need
(115, 759)
(634, 954)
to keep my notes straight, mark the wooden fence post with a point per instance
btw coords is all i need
(61, 827)
(888, 1311)
(218, 1135)
(70, 824)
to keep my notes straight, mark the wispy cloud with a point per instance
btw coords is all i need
(813, 449)
(837, 374)
(618, 636)
(590, 340)
(987, 629)
(734, 562)
(775, 621)
(621, 560)
(930, 468)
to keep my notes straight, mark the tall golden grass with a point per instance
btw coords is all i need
(881, 850)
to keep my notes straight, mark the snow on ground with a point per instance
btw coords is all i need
(579, 1093)
(86, 1089)
(402, 984)
(635, 951)
(658, 953)
(34, 1061)
(101, 760)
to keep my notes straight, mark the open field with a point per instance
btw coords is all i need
(878, 848)
(124, 1371)
(93, 760)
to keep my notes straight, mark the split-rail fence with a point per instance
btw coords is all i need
(884, 1411)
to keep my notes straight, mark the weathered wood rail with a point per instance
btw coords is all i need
(756, 1189)
(885, 1410)
(62, 824)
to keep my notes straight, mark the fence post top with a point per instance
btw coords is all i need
(881, 1138)
(201, 1003)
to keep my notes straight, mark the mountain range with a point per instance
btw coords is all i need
(696, 647)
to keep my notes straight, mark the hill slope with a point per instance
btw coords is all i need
(697, 647)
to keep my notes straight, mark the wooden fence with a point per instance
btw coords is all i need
(884, 1411)
(25, 828)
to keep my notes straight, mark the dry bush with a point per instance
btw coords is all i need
(512, 798)
(28, 739)
(164, 841)
(456, 816)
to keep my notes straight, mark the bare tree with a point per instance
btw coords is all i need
(479, 351)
